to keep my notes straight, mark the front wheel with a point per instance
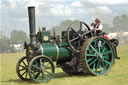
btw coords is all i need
(97, 56)
(41, 69)
(22, 69)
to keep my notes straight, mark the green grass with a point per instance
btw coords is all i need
(117, 76)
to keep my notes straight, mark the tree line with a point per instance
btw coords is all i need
(17, 37)
(120, 24)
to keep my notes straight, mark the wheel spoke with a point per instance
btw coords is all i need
(94, 66)
(103, 65)
(106, 57)
(24, 63)
(37, 75)
(90, 51)
(46, 66)
(99, 48)
(103, 45)
(93, 48)
(48, 72)
(91, 55)
(32, 73)
(22, 66)
(26, 75)
(41, 62)
(107, 62)
(22, 69)
(23, 73)
(74, 31)
(36, 67)
(103, 50)
(45, 76)
(74, 39)
(36, 62)
(86, 33)
(95, 43)
(90, 59)
(97, 65)
(92, 62)
(107, 52)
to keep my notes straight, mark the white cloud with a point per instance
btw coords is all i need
(61, 10)
(100, 10)
(58, 10)
(12, 3)
(24, 20)
(38, 4)
(33, 3)
(52, 12)
(108, 2)
(68, 11)
(77, 3)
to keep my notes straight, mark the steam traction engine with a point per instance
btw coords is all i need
(78, 52)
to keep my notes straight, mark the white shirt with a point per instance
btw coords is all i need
(100, 27)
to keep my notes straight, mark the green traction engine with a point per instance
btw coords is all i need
(75, 51)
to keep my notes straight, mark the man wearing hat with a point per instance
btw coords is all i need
(97, 27)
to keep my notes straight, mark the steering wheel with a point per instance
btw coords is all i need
(77, 34)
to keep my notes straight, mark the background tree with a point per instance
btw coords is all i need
(117, 23)
(18, 37)
(4, 43)
(63, 26)
(120, 23)
(124, 22)
(106, 28)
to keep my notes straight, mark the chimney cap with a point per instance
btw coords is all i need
(31, 6)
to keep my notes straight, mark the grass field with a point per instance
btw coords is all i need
(117, 76)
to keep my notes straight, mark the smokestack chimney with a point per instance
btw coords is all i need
(31, 14)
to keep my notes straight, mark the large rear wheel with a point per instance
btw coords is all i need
(97, 56)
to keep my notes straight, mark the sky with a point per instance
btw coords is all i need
(14, 13)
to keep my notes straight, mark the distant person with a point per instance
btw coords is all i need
(97, 27)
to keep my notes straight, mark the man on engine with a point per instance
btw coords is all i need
(97, 27)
